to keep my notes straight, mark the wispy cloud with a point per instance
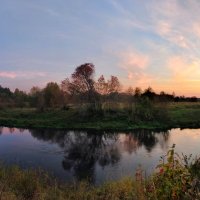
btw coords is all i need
(172, 20)
(132, 60)
(146, 42)
(135, 65)
(183, 69)
(126, 17)
(183, 76)
(26, 75)
(8, 74)
(177, 22)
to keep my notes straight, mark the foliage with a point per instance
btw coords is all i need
(108, 116)
(194, 169)
(99, 103)
(52, 95)
(20, 98)
(81, 82)
(146, 109)
(81, 87)
(172, 180)
(110, 86)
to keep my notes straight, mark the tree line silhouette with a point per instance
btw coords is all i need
(82, 88)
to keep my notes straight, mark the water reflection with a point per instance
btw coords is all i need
(1, 130)
(133, 141)
(83, 150)
(98, 156)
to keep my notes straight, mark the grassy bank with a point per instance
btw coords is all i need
(179, 115)
(175, 179)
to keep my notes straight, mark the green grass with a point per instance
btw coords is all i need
(180, 115)
(185, 114)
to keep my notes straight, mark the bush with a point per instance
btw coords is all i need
(66, 107)
(146, 110)
(91, 110)
(173, 180)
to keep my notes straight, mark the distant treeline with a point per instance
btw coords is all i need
(82, 88)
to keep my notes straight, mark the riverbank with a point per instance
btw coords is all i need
(180, 115)
(175, 179)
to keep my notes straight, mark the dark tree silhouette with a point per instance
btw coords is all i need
(1, 130)
(101, 86)
(52, 95)
(149, 93)
(137, 92)
(81, 82)
(114, 85)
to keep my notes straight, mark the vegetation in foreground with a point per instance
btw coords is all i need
(175, 178)
(183, 115)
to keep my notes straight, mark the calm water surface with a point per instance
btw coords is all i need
(95, 156)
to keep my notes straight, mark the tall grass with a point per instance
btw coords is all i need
(175, 178)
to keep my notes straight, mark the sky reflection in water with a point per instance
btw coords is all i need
(96, 156)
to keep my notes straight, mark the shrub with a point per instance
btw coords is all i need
(173, 180)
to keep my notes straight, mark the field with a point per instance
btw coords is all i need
(182, 115)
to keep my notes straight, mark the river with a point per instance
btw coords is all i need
(96, 156)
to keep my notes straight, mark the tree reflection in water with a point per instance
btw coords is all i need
(83, 150)
(147, 138)
(1, 130)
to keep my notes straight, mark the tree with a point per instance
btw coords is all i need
(5, 92)
(130, 91)
(137, 92)
(20, 97)
(104, 87)
(114, 85)
(52, 95)
(34, 90)
(35, 96)
(129, 97)
(6, 97)
(149, 93)
(101, 86)
(81, 82)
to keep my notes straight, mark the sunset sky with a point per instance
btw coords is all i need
(144, 42)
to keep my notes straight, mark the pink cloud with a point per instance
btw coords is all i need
(168, 31)
(135, 65)
(141, 78)
(184, 76)
(182, 68)
(132, 60)
(196, 29)
(12, 75)
(8, 74)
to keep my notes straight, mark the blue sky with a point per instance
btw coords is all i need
(143, 42)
